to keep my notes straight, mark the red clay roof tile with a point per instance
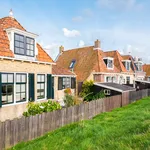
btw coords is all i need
(56, 70)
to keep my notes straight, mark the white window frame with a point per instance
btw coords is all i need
(27, 95)
(45, 86)
(107, 92)
(111, 59)
(126, 62)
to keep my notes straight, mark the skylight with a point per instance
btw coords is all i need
(72, 64)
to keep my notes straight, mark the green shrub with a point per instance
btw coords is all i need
(99, 95)
(86, 88)
(38, 108)
(69, 100)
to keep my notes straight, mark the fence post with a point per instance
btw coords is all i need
(125, 99)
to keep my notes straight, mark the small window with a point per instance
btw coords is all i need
(128, 80)
(139, 66)
(107, 92)
(114, 80)
(148, 79)
(41, 86)
(7, 88)
(20, 87)
(72, 64)
(128, 66)
(108, 79)
(109, 63)
(66, 82)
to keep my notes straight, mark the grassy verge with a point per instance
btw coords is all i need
(125, 128)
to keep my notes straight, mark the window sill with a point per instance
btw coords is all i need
(13, 104)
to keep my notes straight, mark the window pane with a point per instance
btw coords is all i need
(16, 37)
(42, 85)
(23, 87)
(10, 77)
(21, 39)
(21, 45)
(42, 78)
(16, 50)
(18, 88)
(38, 86)
(9, 89)
(23, 78)
(18, 97)
(38, 78)
(10, 97)
(23, 96)
(18, 78)
(4, 78)
(31, 53)
(16, 43)
(7, 93)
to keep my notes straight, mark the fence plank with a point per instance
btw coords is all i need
(2, 135)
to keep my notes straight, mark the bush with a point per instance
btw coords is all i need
(67, 91)
(99, 95)
(69, 100)
(38, 108)
(86, 88)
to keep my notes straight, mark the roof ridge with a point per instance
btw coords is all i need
(78, 48)
(3, 19)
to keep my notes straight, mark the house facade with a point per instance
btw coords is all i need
(25, 69)
(146, 68)
(63, 79)
(92, 63)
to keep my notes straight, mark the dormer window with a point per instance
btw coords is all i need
(127, 64)
(23, 45)
(72, 64)
(109, 62)
(139, 66)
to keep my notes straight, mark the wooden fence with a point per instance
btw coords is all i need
(28, 128)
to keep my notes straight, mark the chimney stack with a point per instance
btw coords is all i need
(61, 49)
(97, 45)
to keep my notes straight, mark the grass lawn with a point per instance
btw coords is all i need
(125, 128)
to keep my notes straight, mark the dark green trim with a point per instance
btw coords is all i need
(31, 87)
(49, 86)
(0, 90)
(73, 83)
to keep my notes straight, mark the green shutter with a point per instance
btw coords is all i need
(49, 86)
(31, 87)
(53, 87)
(73, 83)
(0, 90)
(60, 82)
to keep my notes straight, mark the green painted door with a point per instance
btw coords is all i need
(31, 87)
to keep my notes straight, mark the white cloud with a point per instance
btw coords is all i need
(119, 4)
(77, 19)
(81, 43)
(71, 33)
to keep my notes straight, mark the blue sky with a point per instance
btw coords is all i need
(119, 24)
